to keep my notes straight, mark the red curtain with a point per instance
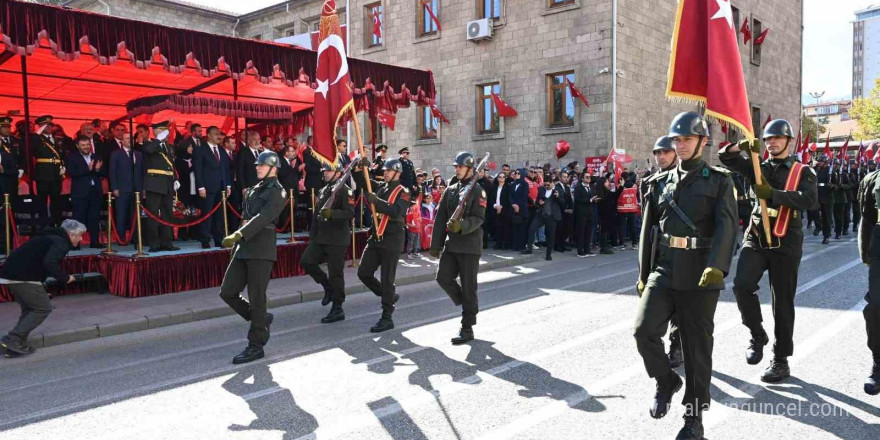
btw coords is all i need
(189, 104)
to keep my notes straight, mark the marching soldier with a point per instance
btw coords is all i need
(254, 254)
(856, 174)
(869, 250)
(10, 169)
(408, 175)
(159, 184)
(48, 172)
(664, 156)
(839, 185)
(391, 200)
(329, 237)
(826, 202)
(788, 188)
(872, 165)
(461, 241)
(693, 219)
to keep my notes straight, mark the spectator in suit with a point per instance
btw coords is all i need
(183, 155)
(549, 214)
(563, 232)
(126, 179)
(584, 198)
(193, 140)
(289, 175)
(88, 130)
(408, 176)
(211, 166)
(499, 198)
(112, 144)
(519, 205)
(142, 137)
(342, 151)
(85, 170)
(267, 144)
(245, 163)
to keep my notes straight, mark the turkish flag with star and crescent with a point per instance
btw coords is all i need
(333, 99)
(705, 66)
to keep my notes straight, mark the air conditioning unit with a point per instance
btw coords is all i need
(479, 30)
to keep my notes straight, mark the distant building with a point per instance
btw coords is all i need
(866, 50)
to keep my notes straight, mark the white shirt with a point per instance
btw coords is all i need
(498, 197)
(88, 159)
(128, 153)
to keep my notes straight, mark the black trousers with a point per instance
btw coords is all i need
(695, 311)
(583, 228)
(124, 209)
(464, 267)
(813, 218)
(856, 215)
(847, 216)
(626, 224)
(839, 222)
(564, 230)
(549, 225)
(502, 230)
(35, 308)
(160, 205)
(825, 217)
(375, 257)
(334, 256)
(49, 190)
(871, 312)
(253, 274)
(212, 227)
(783, 274)
(87, 210)
(520, 234)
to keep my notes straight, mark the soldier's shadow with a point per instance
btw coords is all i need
(274, 406)
(811, 408)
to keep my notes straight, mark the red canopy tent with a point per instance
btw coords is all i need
(78, 66)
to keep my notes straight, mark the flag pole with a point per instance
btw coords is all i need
(765, 218)
(366, 171)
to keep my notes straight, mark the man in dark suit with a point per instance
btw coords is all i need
(245, 163)
(86, 170)
(408, 177)
(142, 137)
(10, 164)
(289, 174)
(549, 213)
(519, 204)
(48, 171)
(211, 166)
(114, 143)
(126, 178)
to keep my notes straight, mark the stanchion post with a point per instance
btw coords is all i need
(354, 251)
(8, 228)
(137, 213)
(109, 249)
(361, 217)
(292, 218)
(225, 218)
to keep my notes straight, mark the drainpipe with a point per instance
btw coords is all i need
(237, 20)
(105, 5)
(614, 74)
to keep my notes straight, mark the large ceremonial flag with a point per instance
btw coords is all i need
(333, 95)
(705, 66)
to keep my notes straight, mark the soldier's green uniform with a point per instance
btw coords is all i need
(839, 187)
(462, 249)
(253, 257)
(329, 237)
(159, 188)
(48, 173)
(869, 250)
(698, 242)
(781, 258)
(385, 253)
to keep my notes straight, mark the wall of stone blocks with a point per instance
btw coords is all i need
(162, 13)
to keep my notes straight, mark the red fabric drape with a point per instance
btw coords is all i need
(189, 104)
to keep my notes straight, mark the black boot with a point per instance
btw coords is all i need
(336, 314)
(872, 383)
(755, 352)
(777, 370)
(666, 387)
(385, 323)
(816, 231)
(465, 335)
(250, 354)
(825, 240)
(675, 357)
(327, 294)
(692, 429)
(548, 257)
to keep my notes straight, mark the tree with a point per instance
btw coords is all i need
(867, 112)
(809, 126)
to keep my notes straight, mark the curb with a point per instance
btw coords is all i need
(159, 320)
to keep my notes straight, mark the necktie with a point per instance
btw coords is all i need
(216, 154)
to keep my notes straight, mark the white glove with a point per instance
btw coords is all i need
(20, 173)
(176, 185)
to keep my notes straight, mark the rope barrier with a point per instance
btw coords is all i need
(277, 230)
(129, 235)
(184, 225)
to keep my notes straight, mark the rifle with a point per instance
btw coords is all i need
(340, 183)
(465, 192)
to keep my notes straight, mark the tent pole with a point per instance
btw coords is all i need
(27, 119)
(235, 98)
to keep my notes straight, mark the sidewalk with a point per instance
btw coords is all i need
(89, 316)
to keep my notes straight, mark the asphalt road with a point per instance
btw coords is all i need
(554, 359)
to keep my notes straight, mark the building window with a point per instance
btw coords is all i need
(756, 48)
(426, 24)
(556, 3)
(488, 121)
(757, 125)
(290, 32)
(490, 8)
(427, 123)
(373, 12)
(560, 105)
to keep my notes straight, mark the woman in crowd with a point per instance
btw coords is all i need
(499, 198)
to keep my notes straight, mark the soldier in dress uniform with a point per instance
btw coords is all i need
(408, 176)
(10, 171)
(869, 250)
(48, 172)
(788, 188)
(160, 184)
(254, 254)
(839, 186)
(376, 169)
(391, 200)
(461, 244)
(856, 173)
(329, 237)
(694, 221)
(826, 203)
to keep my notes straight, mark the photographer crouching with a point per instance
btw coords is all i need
(25, 280)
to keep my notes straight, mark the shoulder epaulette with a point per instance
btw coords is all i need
(658, 176)
(721, 170)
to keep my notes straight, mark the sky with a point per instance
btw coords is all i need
(827, 41)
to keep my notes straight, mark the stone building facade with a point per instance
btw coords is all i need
(536, 46)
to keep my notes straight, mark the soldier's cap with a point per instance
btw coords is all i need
(5, 121)
(161, 126)
(403, 150)
(382, 148)
(43, 120)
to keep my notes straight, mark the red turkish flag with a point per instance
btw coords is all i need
(503, 109)
(576, 93)
(438, 114)
(860, 153)
(869, 152)
(333, 100)
(769, 118)
(797, 144)
(759, 40)
(827, 150)
(842, 154)
(386, 119)
(705, 66)
(877, 154)
(766, 154)
(377, 24)
(618, 156)
(746, 31)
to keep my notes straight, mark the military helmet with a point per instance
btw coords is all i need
(663, 143)
(777, 127)
(330, 167)
(269, 158)
(871, 162)
(688, 124)
(822, 158)
(464, 159)
(392, 165)
(836, 161)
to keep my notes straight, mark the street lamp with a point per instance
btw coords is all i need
(816, 96)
